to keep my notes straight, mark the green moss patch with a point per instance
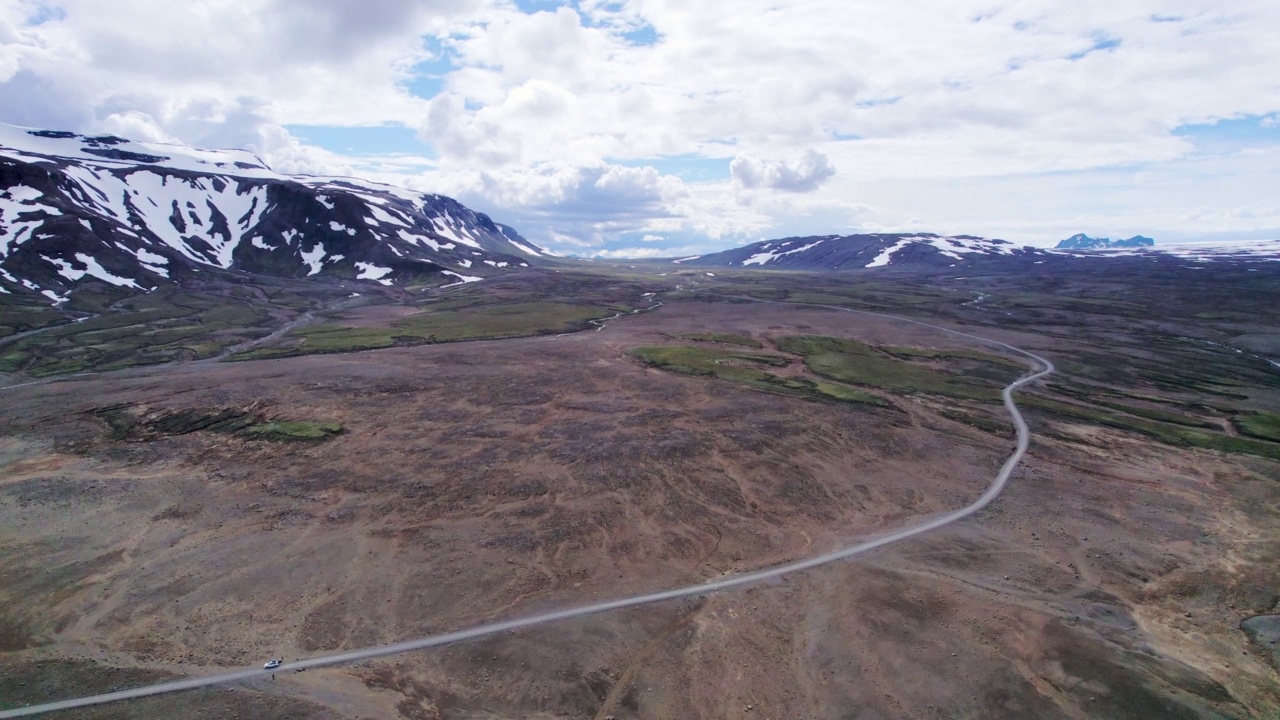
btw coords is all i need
(167, 325)
(1264, 425)
(930, 354)
(857, 363)
(1178, 436)
(723, 339)
(138, 423)
(749, 369)
(486, 322)
(848, 394)
(286, 431)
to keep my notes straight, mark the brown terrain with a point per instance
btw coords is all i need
(1128, 571)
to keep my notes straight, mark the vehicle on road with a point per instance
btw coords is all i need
(272, 664)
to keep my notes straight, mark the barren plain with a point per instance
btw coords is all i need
(508, 448)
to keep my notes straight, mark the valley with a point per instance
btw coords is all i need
(407, 461)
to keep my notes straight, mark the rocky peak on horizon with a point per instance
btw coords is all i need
(1080, 241)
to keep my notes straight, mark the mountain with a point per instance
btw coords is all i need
(926, 251)
(76, 208)
(848, 252)
(1080, 241)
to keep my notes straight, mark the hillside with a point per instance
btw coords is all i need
(849, 252)
(77, 209)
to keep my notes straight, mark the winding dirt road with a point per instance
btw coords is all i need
(736, 581)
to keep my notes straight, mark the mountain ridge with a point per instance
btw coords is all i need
(873, 250)
(931, 251)
(78, 208)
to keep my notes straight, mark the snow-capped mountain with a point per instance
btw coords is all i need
(1080, 241)
(929, 251)
(76, 208)
(1246, 251)
(848, 252)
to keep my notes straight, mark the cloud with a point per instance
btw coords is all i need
(602, 191)
(241, 63)
(629, 253)
(136, 125)
(556, 200)
(1058, 110)
(804, 173)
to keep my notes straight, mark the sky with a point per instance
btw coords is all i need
(667, 127)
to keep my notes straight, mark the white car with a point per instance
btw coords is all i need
(272, 664)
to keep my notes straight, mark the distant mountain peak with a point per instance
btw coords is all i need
(1080, 241)
(848, 252)
(929, 252)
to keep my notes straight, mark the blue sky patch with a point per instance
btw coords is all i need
(688, 167)
(529, 7)
(877, 102)
(644, 36)
(372, 140)
(425, 86)
(1232, 133)
(45, 13)
(1100, 43)
(427, 77)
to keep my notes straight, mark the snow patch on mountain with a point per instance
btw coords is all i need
(462, 279)
(112, 199)
(314, 258)
(765, 257)
(382, 216)
(885, 257)
(91, 268)
(450, 228)
(1242, 250)
(874, 250)
(369, 271)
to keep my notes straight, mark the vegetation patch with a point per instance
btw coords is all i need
(1264, 425)
(1178, 436)
(1181, 383)
(857, 363)
(723, 339)
(727, 364)
(500, 321)
(848, 394)
(164, 326)
(18, 316)
(287, 431)
(749, 369)
(981, 422)
(436, 325)
(138, 423)
(932, 354)
(1160, 415)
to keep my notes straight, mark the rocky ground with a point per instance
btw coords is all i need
(1119, 576)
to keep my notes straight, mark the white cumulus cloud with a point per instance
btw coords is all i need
(804, 173)
(1025, 119)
